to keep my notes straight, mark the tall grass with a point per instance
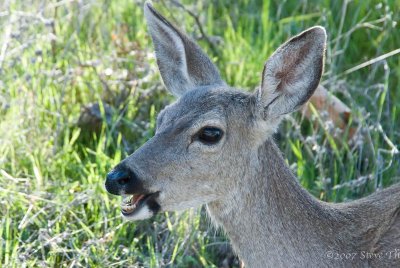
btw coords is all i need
(58, 56)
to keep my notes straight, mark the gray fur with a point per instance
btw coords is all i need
(244, 181)
(183, 65)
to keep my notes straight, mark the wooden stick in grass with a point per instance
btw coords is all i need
(337, 111)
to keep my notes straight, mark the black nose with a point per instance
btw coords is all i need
(122, 181)
(115, 180)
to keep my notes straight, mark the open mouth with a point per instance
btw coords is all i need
(133, 203)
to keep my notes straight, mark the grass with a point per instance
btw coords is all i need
(57, 57)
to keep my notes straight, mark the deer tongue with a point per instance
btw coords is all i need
(132, 199)
(136, 198)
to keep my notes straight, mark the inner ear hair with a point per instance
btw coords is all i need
(292, 73)
(183, 65)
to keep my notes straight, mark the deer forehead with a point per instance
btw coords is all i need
(206, 106)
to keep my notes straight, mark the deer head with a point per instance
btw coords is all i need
(206, 142)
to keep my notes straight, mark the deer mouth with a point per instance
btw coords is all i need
(132, 204)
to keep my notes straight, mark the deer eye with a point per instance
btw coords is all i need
(209, 135)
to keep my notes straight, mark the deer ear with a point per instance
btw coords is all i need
(292, 74)
(182, 63)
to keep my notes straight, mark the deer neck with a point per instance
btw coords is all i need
(270, 219)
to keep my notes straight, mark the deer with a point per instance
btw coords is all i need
(214, 146)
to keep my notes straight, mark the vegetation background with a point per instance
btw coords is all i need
(59, 58)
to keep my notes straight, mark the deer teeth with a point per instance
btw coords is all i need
(126, 204)
(127, 199)
(130, 202)
(128, 207)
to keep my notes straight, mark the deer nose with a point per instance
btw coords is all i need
(123, 180)
(119, 180)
